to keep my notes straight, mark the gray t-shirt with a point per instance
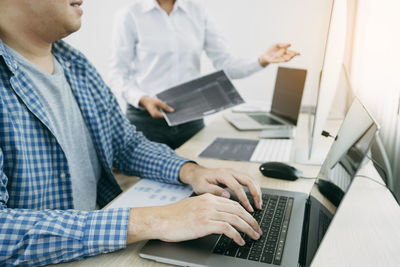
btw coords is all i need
(69, 128)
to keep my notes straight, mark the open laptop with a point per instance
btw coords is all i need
(293, 223)
(285, 108)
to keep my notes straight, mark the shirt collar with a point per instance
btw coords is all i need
(153, 4)
(2, 48)
(8, 59)
(67, 55)
(64, 53)
(182, 4)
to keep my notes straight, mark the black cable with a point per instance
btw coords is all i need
(327, 134)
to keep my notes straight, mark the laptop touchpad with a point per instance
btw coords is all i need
(265, 120)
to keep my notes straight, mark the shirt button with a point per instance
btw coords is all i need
(63, 175)
(67, 64)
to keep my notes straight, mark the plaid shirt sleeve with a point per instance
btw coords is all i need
(33, 237)
(134, 154)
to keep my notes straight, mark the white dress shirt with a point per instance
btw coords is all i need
(153, 51)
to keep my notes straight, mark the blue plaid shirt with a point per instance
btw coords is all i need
(37, 222)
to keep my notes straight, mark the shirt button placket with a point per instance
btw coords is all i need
(175, 48)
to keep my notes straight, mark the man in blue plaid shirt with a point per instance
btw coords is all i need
(41, 221)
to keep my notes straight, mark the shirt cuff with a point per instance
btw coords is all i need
(132, 97)
(255, 66)
(171, 173)
(106, 230)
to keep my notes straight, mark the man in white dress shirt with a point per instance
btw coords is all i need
(158, 44)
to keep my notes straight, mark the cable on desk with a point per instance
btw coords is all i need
(381, 184)
(313, 178)
(372, 179)
(380, 167)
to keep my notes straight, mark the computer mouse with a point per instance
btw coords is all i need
(331, 191)
(280, 170)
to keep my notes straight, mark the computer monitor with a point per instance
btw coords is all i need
(329, 79)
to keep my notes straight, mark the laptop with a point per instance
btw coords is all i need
(293, 223)
(285, 108)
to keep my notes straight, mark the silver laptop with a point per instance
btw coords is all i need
(285, 108)
(293, 223)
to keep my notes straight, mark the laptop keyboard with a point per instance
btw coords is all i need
(264, 120)
(274, 221)
(272, 150)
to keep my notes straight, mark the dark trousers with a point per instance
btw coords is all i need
(157, 130)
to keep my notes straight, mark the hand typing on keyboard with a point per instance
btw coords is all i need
(212, 212)
(205, 180)
(274, 222)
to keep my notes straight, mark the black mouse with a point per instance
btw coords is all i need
(280, 170)
(331, 191)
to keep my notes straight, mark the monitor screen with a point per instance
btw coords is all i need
(288, 93)
(331, 71)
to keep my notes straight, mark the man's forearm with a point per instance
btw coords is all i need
(143, 224)
(189, 171)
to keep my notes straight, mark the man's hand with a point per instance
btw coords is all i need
(192, 218)
(277, 54)
(154, 106)
(205, 180)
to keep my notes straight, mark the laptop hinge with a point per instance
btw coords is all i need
(304, 235)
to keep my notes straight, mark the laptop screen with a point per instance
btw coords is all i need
(350, 147)
(344, 159)
(288, 93)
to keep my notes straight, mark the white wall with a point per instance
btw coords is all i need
(249, 26)
(375, 71)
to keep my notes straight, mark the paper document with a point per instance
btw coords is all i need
(146, 193)
(200, 97)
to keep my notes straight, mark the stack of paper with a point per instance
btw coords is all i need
(146, 193)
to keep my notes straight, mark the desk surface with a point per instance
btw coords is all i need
(364, 232)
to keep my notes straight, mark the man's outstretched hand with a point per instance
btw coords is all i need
(277, 54)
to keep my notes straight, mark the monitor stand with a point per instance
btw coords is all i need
(318, 152)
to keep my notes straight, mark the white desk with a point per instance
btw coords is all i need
(365, 231)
